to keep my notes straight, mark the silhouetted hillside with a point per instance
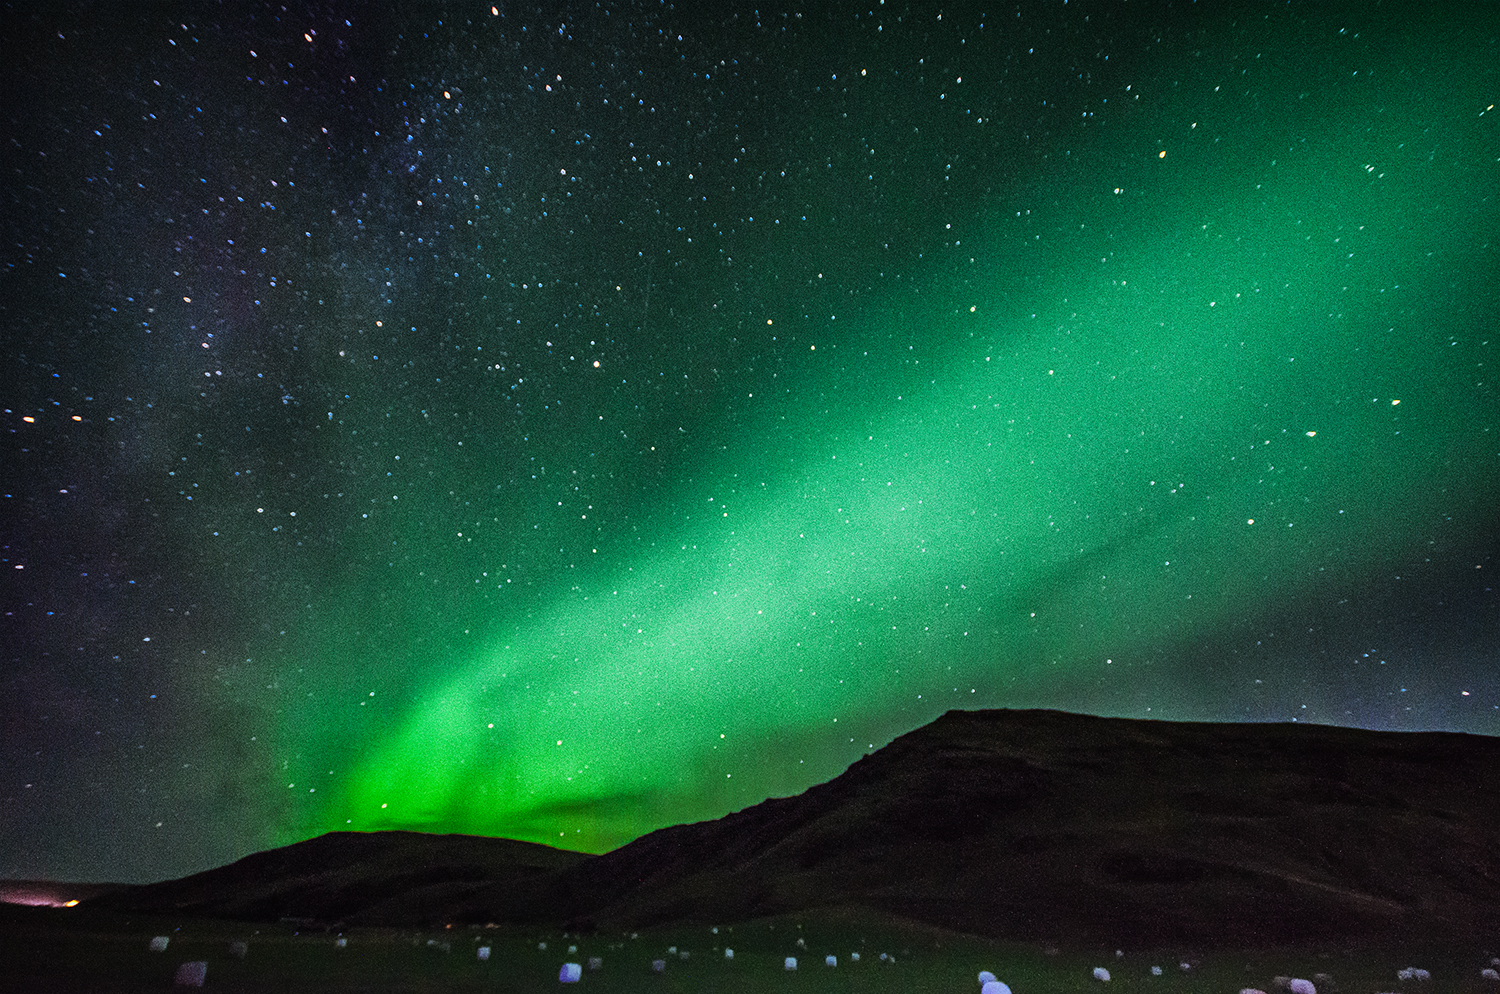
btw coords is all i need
(1017, 824)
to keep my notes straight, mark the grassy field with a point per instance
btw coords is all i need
(61, 950)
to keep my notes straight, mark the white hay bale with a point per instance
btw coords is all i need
(671, 950)
(159, 944)
(572, 950)
(541, 946)
(658, 966)
(830, 961)
(191, 974)
(883, 957)
(801, 943)
(484, 954)
(596, 962)
(683, 954)
(1489, 973)
(1299, 985)
(1156, 971)
(729, 954)
(985, 977)
(1184, 966)
(1101, 974)
(569, 973)
(854, 957)
(791, 963)
(1413, 973)
(341, 943)
(994, 987)
(1251, 990)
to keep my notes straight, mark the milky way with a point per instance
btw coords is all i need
(558, 428)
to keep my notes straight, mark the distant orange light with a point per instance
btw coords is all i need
(70, 904)
(1162, 154)
(28, 419)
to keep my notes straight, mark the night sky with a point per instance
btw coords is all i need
(559, 426)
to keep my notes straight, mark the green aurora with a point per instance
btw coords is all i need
(564, 428)
(1243, 410)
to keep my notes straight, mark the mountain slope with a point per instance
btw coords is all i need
(1056, 826)
(1019, 824)
(342, 874)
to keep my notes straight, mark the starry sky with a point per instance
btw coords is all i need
(561, 421)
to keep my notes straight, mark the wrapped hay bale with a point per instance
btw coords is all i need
(596, 962)
(191, 974)
(159, 944)
(658, 966)
(1298, 985)
(569, 973)
(1101, 974)
(729, 954)
(791, 963)
(483, 952)
(830, 961)
(994, 987)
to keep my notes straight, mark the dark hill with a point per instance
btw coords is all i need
(1057, 827)
(343, 874)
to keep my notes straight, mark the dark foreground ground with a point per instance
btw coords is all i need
(74, 950)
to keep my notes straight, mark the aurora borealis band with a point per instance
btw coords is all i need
(562, 425)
